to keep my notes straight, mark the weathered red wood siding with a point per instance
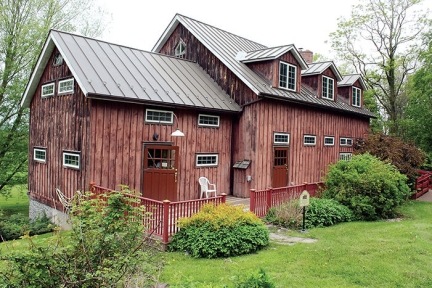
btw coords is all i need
(347, 92)
(306, 163)
(117, 145)
(316, 83)
(58, 123)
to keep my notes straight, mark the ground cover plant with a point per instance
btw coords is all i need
(16, 225)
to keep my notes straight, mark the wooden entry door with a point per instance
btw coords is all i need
(280, 167)
(160, 172)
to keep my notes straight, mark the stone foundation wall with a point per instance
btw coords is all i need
(57, 217)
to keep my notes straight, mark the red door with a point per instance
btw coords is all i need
(280, 167)
(160, 172)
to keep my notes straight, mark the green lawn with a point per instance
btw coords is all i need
(17, 203)
(359, 254)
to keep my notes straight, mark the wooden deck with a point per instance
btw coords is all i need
(238, 201)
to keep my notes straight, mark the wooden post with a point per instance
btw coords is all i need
(91, 186)
(223, 197)
(252, 200)
(165, 221)
(269, 199)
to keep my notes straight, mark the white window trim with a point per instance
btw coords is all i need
(329, 137)
(39, 150)
(66, 91)
(344, 155)
(159, 121)
(47, 85)
(287, 82)
(332, 80)
(359, 97)
(345, 139)
(78, 154)
(282, 134)
(176, 50)
(309, 144)
(208, 125)
(207, 155)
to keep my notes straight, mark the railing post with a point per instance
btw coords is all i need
(223, 197)
(252, 200)
(165, 221)
(268, 199)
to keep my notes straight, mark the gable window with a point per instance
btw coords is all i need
(66, 86)
(208, 120)
(281, 138)
(287, 76)
(345, 156)
(180, 49)
(71, 159)
(328, 88)
(346, 141)
(328, 141)
(159, 116)
(58, 60)
(356, 100)
(48, 90)
(207, 160)
(39, 154)
(309, 140)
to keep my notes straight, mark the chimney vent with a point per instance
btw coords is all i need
(307, 55)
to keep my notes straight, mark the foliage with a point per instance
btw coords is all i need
(390, 30)
(326, 212)
(258, 280)
(16, 225)
(220, 231)
(371, 188)
(16, 202)
(108, 244)
(24, 26)
(288, 214)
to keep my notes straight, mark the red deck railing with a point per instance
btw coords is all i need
(262, 200)
(423, 183)
(161, 216)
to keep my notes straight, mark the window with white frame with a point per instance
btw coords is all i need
(208, 120)
(48, 90)
(346, 141)
(159, 116)
(58, 60)
(309, 140)
(71, 159)
(66, 86)
(328, 141)
(287, 76)
(206, 160)
(356, 100)
(39, 154)
(328, 88)
(346, 156)
(281, 138)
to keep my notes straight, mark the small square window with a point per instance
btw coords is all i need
(345, 156)
(328, 88)
(39, 154)
(207, 160)
(346, 141)
(309, 140)
(71, 159)
(48, 90)
(159, 116)
(281, 138)
(66, 86)
(328, 141)
(208, 120)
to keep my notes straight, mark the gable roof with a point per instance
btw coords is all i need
(226, 46)
(317, 68)
(269, 54)
(113, 72)
(349, 80)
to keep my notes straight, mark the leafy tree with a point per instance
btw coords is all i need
(24, 25)
(390, 31)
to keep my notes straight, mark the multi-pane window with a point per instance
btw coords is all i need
(66, 86)
(159, 116)
(328, 88)
(328, 141)
(281, 138)
(208, 120)
(39, 154)
(356, 100)
(71, 159)
(180, 49)
(346, 141)
(48, 90)
(346, 156)
(309, 140)
(206, 160)
(287, 76)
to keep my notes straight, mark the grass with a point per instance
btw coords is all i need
(358, 254)
(17, 203)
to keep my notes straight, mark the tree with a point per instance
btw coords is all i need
(24, 25)
(389, 31)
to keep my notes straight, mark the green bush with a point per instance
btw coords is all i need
(259, 280)
(16, 225)
(372, 189)
(220, 231)
(326, 212)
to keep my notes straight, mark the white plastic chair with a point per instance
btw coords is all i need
(205, 187)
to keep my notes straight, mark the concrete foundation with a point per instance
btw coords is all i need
(57, 217)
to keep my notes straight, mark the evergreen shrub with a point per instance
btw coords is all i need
(326, 212)
(16, 225)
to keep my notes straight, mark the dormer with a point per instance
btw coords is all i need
(351, 89)
(322, 77)
(280, 66)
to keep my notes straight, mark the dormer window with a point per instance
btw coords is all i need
(180, 49)
(356, 97)
(328, 88)
(287, 76)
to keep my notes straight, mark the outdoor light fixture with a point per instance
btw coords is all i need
(177, 132)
